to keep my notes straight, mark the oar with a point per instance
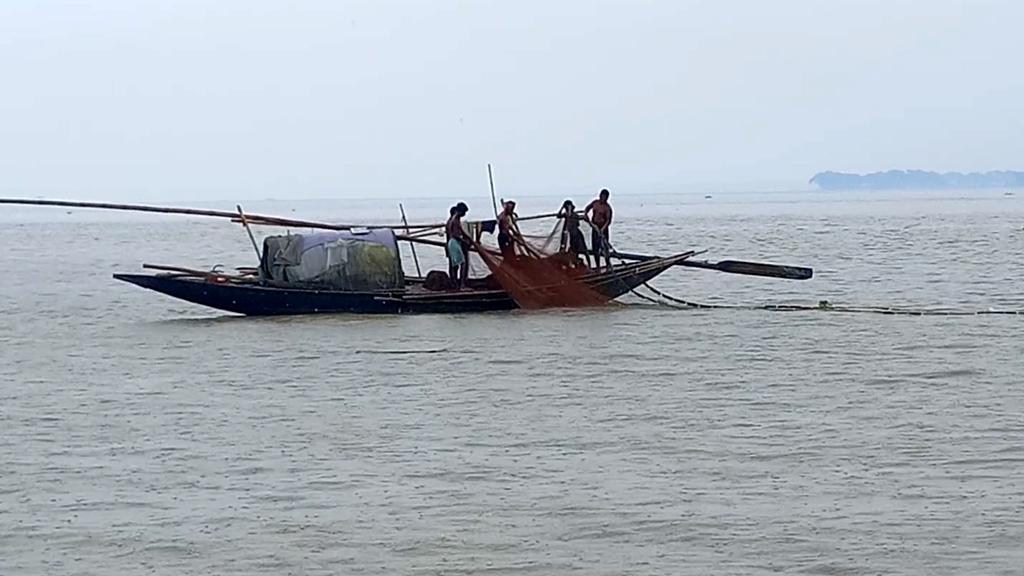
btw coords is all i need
(736, 267)
(754, 269)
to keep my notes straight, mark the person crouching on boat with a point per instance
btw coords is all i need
(507, 229)
(458, 246)
(572, 237)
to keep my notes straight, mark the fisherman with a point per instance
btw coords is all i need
(572, 240)
(600, 221)
(507, 229)
(458, 246)
(451, 212)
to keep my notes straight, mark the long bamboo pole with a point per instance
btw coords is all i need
(131, 207)
(274, 221)
(252, 218)
(293, 223)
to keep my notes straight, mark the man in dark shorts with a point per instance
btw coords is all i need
(600, 213)
(573, 241)
(507, 229)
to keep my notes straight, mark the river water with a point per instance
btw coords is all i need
(146, 435)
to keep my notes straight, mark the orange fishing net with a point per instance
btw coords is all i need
(536, 278)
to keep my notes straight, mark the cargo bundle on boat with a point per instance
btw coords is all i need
(345, 261)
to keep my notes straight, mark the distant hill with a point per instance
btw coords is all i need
(917, 179)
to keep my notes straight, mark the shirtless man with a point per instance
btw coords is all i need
(507, 230)
(601, 219)
(458, 246)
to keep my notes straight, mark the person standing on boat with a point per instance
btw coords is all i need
(572, 240)
(507, 229)
(458, 246)
(451, 212)
(600, 222)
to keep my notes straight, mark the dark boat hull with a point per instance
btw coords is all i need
(255, 300)
(252, 299)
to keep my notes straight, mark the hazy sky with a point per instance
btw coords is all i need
(191, 99)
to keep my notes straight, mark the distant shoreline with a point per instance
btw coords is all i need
(918, 180)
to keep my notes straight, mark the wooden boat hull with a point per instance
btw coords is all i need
(256, 300)
(253, 299)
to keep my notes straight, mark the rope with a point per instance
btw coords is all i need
(670, 301)
(823, 306)
(684, 303)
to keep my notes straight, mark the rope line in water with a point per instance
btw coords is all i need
(823, 306)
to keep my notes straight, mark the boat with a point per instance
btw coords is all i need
(251, 297)
(345, 268)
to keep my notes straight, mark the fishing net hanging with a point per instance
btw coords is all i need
(536, 274)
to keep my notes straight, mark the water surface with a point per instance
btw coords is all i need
(147, 435)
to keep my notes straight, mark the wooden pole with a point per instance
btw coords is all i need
(438, 243)
(292, 223)
(416, 229)
(411, 245)
(537, 217)
(494, 199)
(245, 224)
(131, 207)
(254, 219)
